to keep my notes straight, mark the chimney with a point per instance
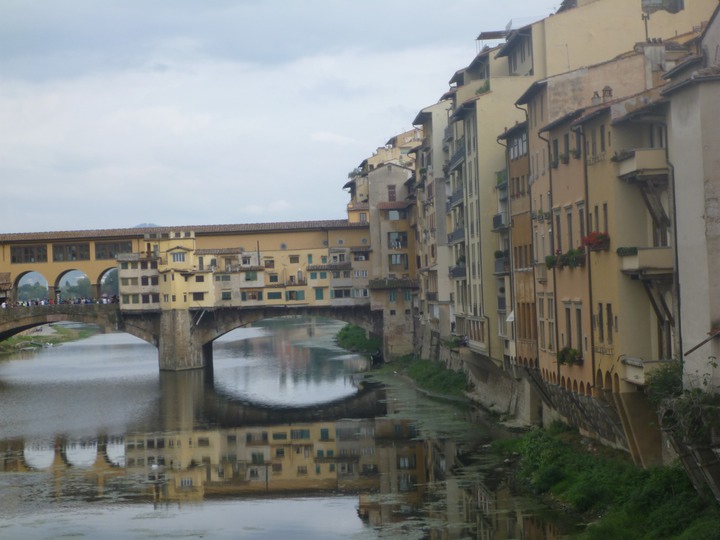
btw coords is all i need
(607, 93)
(595, 98)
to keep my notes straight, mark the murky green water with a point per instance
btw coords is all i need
(280, 441)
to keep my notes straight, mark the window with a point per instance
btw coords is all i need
(109, 250)
(397, 215)
(294, 259)
(399, 259)
(599, 323)
(274, 295)
(199, 278)
(391, 193)
(296, 434)
(581, 219)
(340, 293)
(397, 240)
(178, 257)
(568, 215)
(609, 323)
(29, 254)
(251, 276)
(323, 275)
(578, 327)
(313, 275)
(309, 258)
(198, 296)
(294, 295)
(392, 296)
(226, 295)
(407, 295)
(319, 294)
(541, 320)
(71, 252)
(551, 322)
(363, 217)
(269, 263)
(273, 278)
(250, 295)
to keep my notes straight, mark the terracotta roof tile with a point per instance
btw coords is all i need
(200, 230)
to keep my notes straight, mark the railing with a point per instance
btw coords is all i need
(458, 155)
(502, 265)
(457, 272)
(393, 283)
(457, 197)
(432, 296)
(500, 221)
(458, 235)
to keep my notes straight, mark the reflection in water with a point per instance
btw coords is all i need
(377, 463)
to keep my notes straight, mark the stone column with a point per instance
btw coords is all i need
(178, 347)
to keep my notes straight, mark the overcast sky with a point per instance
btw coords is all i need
(175, 112)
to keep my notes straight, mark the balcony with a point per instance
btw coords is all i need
(458, 235)
(458, 272)
(642, 165)
(637, 369)
(431, 296)
(500, 221)
(458, 155)
(457, 198)
(502, 265)
(393, 283)
(646, 261)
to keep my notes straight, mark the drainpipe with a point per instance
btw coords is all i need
(552, 249)
(581, 133)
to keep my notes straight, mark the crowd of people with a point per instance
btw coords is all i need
(64, 301)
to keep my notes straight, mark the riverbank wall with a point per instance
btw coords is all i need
(521, 398)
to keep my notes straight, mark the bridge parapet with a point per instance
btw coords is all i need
(14, 320)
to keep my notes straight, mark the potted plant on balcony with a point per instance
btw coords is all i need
(596, 241)
(499, 254)
(574, 258)
(569, 356)
(551, 261)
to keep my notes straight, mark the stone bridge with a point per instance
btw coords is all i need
(184, 338)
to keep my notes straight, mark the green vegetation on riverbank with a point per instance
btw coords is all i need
(60, 334)
(353, 338)
(606, 488)
(431, 376)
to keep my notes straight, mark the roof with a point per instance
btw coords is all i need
(512, 39)
(464, 108)
(393, 205)
(517, 128)
(200, 230)
(709, 74)
(532, 90)
(564, 119)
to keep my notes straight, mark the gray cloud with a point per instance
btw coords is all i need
(116, 113)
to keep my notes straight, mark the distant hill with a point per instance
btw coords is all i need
(145, 225)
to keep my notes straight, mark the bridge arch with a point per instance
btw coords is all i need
(29, 277)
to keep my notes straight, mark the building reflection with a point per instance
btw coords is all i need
(397, 476)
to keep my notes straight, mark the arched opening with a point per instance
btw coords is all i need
(109, 284)
(31, 287)
(73, 287)
(575, 386)
(616, 383)
(608, 382)
(599, 379)
(582, 388)
(562, 382)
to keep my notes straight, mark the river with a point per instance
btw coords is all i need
(286, 437)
